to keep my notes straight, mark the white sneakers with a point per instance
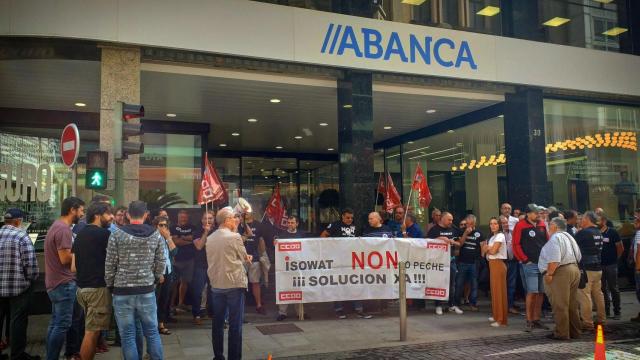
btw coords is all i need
(492, 319)
(438, 310)
(456, 310)
(495, 324)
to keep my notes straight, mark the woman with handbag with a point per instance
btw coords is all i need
(558, 263)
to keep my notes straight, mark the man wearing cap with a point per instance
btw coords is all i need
(529, 236)
(18, 269)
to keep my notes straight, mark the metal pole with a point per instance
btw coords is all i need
(74, 180)
(119, 180)
(402, 287)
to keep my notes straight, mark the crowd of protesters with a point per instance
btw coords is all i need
(124, 266)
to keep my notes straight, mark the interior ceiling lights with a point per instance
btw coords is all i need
(489, 11)
(413, 2)
(556, 21)
(623, 140)
(615, 31)
(485, 161)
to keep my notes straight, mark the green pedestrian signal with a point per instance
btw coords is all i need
(96, 179)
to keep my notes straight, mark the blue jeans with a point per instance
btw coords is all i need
(196, 286)
(131, 310)
(467, 272)
(233, 301)
(453, 272)
(62, 299)
(512, 277)
(358, 306)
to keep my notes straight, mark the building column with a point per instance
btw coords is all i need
(355, 143)
(119, 81)
(525, 148)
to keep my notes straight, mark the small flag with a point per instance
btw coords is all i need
(392, 198)
(275, 210)
(211, 187)
(420, 184)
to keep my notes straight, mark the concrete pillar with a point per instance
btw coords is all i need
(119, 81)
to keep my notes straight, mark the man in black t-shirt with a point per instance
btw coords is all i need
(612, 250)
(345, 228)
(589, 240)
(252, 235)
(182, 236)
(376, 228)
(89, 254)
(445, 231)
(470, 240)
(199, 279)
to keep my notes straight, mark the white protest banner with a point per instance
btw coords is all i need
(336, 269)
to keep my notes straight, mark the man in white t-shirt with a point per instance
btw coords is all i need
(505, 210)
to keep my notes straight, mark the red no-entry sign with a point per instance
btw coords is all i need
(70, 144)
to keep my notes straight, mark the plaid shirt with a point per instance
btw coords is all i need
(18, 264)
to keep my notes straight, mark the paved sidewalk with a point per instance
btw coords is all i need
(330, 338)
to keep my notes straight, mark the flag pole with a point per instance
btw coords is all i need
(375, 200)
(406, 208)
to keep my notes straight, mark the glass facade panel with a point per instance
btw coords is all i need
(592, 158)
(590, 24)
(260, 176)
(464, 168)
(229, 171)
(33, 177)
(170, 170)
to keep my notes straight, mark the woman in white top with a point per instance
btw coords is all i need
(496, 253)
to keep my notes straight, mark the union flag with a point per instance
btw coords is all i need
(419, 184)
(275, 210)
(392, 197)
(211, 187)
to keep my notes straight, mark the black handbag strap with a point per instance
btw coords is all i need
(573, 249)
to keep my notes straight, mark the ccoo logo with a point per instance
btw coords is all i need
(290, 246)
(290, 295)
(371, 44)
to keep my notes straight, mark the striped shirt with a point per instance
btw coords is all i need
(18, 264)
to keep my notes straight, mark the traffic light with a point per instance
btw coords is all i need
(124, 129)
(96, 176)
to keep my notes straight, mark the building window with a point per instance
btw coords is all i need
(592, 158)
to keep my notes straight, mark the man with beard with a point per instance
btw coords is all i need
(59, 280)
(89, 253)
(396, 224)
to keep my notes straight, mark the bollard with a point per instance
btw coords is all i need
(402, 288)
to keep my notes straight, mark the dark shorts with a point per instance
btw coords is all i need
(184, 270)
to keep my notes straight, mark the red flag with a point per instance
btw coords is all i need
(211, 187)
(420, 184)
(275, 211)
(392, 198)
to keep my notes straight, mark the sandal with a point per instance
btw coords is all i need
(164, 331)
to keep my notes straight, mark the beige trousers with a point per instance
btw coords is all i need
(563, 295)
(592, 293)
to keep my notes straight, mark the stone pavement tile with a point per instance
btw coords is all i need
(290, 340)
(264, 343)
(197, 350)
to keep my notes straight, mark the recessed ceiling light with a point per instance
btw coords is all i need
(409, 142)
(171, 115)
(387, 127)
(413, 2)
(323, 124)
(275, 101)
(223, 145)
(235, 134)
(298, 137)
(501, 116)
(501, 134)
(79, 104)
(330, 149)
(556, 21)
(431, 111)
(604, 1)
(458, 144)
(450, 131)
(489, 11)
(615, 31)
(278, 147)
(252, 120)
(347, 106)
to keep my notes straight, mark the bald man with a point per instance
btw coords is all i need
(376, 228)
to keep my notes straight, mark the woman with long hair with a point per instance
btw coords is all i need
(496, 252)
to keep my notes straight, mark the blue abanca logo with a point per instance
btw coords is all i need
(370, 44)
